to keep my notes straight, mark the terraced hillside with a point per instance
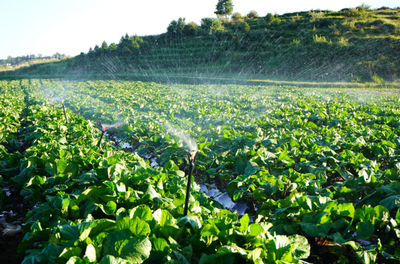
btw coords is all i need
(357, 44)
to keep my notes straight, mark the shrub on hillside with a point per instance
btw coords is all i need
(252, 14)
(190, 29)
(390, 28)
(269, 18)
(237, 18)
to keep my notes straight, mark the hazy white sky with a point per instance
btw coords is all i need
(73, 26)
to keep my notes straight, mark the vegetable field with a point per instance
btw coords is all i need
(318, 169)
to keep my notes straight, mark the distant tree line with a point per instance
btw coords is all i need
(133, 45)
(21, 59)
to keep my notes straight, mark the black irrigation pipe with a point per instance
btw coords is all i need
(192, 159)
(101, 137)
(65, 113)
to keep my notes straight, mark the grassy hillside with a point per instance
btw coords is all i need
(357, 45)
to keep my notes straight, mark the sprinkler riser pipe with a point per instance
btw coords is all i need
(65, 113)
(101, 137)
(189, 183)
(192, 160)
(328, 111)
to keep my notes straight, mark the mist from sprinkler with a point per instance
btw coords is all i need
(190, 143)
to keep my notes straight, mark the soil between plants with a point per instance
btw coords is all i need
(13, 212)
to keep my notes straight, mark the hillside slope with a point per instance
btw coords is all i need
(356, 44)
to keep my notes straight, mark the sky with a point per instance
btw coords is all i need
(73, 26)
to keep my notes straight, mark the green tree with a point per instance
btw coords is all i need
(211, 25)
(96, 49)
(113, 47)
(224, 8)
(104, 46)
(190, 29)
(10, 60)
(269, 18)
(176, 26)
(237, 18)
(129, 44)
(252, 14)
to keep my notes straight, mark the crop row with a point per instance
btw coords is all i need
(322, 164)
(310, 162)
(96, 204)
(11, 105)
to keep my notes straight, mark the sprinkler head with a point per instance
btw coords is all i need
(193, 155)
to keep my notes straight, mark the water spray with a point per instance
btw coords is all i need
(65, 113)
(51, 98)
(192, 159)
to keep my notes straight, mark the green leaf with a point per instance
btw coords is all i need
(91, 252)
(382, 216)
(143, 212)
(285, 159)
(160, 247)
(61, 165)
(244, 223)
(75, 260)
(279, 248)
(345, 174)
(109, 259)
(133, 249)
(364, 214)
(316, 226)
(192, 220)
(102, 225)
(152, 192)
(365, 230)
(345, 209)
(110, 208)
(398, 216)
(67, 253)
(170, 166)
(69, 232)
(137, 226)
(365, 255)
(251, 168)
(256, 255)
(312, 125)
(232, 249)
(164, 217)
(391, 202)
(180, 257)
(209, 233)
(301, 246)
